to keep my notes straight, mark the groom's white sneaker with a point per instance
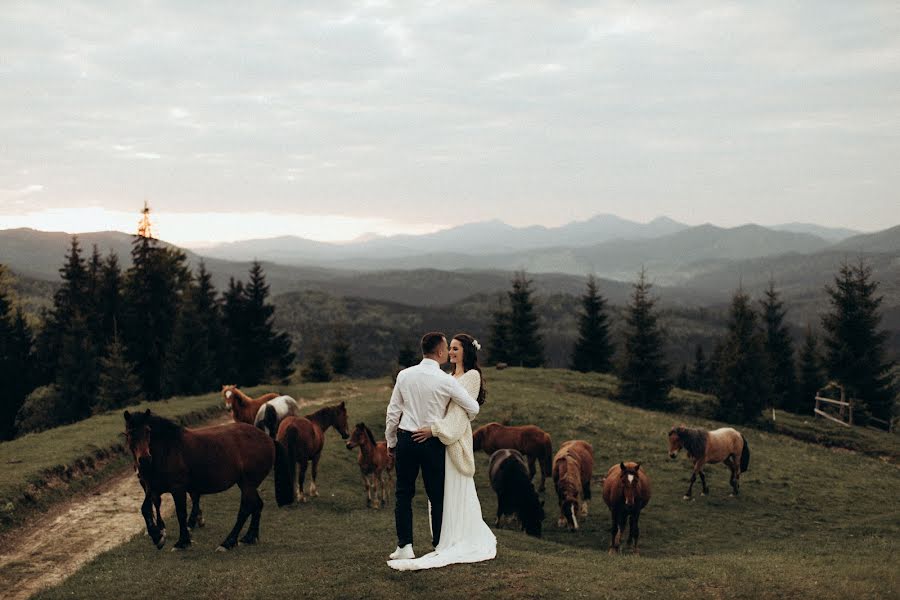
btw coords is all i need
(404, 552)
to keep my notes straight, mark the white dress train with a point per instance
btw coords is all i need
(465, 537)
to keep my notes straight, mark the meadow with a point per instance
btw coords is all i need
(810, 522)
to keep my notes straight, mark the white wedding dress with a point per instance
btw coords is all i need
(465, 537)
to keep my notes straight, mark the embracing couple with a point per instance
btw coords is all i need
(428, 429)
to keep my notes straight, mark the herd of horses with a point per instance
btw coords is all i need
(269, 434)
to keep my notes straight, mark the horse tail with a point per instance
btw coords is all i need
(270, 421)
(745, 455)
(547, 459)
(284, 475)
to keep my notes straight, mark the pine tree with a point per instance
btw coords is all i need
(235, 330)
(811, 377)
(317, 368)
(700, 374)
(119, 386)
(743, 367)
(855, 349)
(498, 341)
(526, 346)
(193, 364)
(683, 381)
(109, 295)
(16, 360)
(407, 357)
(644, 377)
(341, 359)
(593, 349)
(780, 351)
(152, 296)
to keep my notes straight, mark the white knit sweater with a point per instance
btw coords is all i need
(455, 430)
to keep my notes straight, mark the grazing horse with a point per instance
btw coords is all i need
(304, 438)
(281, 406)
(180, 461)
(573, 467)
(531, 441)
(242, 407)
(720, 445)
(375, 464)
(515, 493)
(626, 491)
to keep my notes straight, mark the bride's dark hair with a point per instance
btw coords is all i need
(470, 360)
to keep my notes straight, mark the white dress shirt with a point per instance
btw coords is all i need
(420, 398)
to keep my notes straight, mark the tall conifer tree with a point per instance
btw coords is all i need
(498, 336)
(593, 348)
(812, 379)
(780, 351)
(743, 386)
(700, 373)
(526, 345)
(644, 379)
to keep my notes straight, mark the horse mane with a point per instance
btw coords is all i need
(694, 440)
(569, 477)
(368, 433)
(160, 427)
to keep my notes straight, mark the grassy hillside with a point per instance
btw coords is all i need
(811, 523)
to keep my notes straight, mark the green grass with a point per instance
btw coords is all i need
(39, 469)
(811, 523)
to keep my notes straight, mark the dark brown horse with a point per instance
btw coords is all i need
(626, 491)
(573, 467)
(531, 441)
(180, 461)
(515, 493)
(242, 407)
(304, 438)
(375, 464)
(720, 445)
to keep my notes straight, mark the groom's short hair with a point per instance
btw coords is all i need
(431, 341)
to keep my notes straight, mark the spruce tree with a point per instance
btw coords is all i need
(780, 351)
(743, 366)
(683, 381)
(700, 373)
(317, 368)
(811, 377)
(119, 386)
(855, 349)
(498, 336)
(406, 357)
(16, 360)
(235, 330)
(341, 359)
(109, 295)
(593, 349)
(644, 377)
(526, 345)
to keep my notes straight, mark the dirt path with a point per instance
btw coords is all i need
(47, 550)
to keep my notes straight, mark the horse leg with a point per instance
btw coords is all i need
(703, 482)
(184, 535)
(256, 503)
(244, 511)
(531, 469)
(613, 534)
(196, 518)
(157, 534)
(157, 501)
(313, 490)
(586, 497)
(697, 469)
(635, 531)
(735, 466)
(301, 496)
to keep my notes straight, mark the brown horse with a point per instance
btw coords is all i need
(626, 491)
(720, 445)
(180, 461)
(304, 438)
(242, 407)
(531, 441)
(573, 467)
(375, 464)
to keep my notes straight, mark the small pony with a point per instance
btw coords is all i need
(270, 414)
(181, 461)
(375, 464)
(304, 438)
(702, 446)
(530, 440)
(626, 491)
(242, 407)
(509, 478)
(573, 467)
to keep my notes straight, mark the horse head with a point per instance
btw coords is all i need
(359, 434)
(228, 393)
(137, 436)
(340, 421)
(532, 517)
(675, 440)
(631, 482)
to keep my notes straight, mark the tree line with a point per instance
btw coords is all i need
(115, 337)
(752, 367)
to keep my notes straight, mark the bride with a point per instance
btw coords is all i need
(465, 537)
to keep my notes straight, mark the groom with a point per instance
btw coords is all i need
(421, 396)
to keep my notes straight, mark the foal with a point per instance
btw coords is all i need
(375, 464)
(304, 438)
(720, 445)
(626, 491)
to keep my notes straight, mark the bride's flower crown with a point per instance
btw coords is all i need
(476, 344)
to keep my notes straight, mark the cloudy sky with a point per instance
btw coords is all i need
(329, 119)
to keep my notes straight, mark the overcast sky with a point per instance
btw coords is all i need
(412, 116)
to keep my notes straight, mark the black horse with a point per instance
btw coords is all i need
(515, 494)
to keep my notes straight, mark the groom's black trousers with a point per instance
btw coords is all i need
(409, 458)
